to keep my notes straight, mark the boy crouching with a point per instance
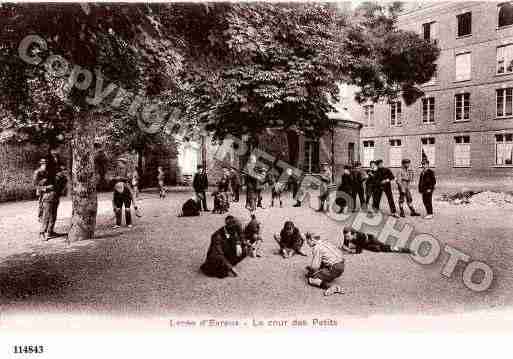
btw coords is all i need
(252, 234)
(290, 240)
(327, 265)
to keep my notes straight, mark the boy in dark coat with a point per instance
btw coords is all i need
(370, 183)
(290, 240)
(200, 185)
(235, 184)
(226, 250)
(427, 182)
(191, 208)
(384, 178)
(344, 189)
(253, 237)
(358, 177)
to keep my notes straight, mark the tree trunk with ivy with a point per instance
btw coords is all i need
(84, 196)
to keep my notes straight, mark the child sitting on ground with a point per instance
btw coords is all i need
(252, 235)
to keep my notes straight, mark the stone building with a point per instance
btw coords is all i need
(464, 123)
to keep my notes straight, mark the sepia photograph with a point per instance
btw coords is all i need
(233, 167)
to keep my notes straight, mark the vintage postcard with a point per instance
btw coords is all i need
(203, 168)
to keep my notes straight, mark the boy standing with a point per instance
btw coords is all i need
(427, 182)
(344, 189)
(370, 183)
(384, 178)
(38, 179)
(324, 186)
(200, 185)
(359, 178)
(235, 184)
(404, 179)
(160, 177)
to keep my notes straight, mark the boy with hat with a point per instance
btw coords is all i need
(427, 182)
(404, 179)
(200, 185)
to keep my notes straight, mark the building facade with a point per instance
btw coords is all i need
(464, 123)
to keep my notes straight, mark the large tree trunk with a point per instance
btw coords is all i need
(84, 198)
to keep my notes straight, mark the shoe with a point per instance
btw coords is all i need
(429, 216)
(402, 214)
(115, 226)
(206, 210)
(54, 234)
(129, 226)
(281, 205)
(43, 237)
(414, 214)
(336, 289)
(301, 253)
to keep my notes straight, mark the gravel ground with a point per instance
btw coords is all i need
(153, 269)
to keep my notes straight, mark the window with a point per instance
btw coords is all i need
(505, 59)
(395, 153)
(429, 32)
(395, 113)
(504, 102)
(368, 114)
(368, 153)
(462, 107)
(464, 24)
(505, 14)
(504, 149)
(463, 66)
(311, 162)
(428, 149)
(428, 110)
(462, 151)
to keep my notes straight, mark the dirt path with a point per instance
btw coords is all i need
(153, 268)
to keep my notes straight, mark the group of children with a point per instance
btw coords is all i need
(364, 185)
(232, 243)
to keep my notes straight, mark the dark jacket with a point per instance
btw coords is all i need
(427, 180)
(358, 176)
(224, 184)
(200, 182)
(53, 166)
(221, 255)
(235, 180)
(383, 174)
(294, 240)
(191, 208)
(252, 228)
(346, 184)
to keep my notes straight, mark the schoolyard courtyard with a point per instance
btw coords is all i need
(153, 269)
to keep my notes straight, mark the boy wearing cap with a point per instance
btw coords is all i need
(384, 178)
(358, 179)
(370, 183)
(227, 248)
(404, 179)
(40, 175)
(427, 182)
(327, 265)
(324, 187)
(200, 185)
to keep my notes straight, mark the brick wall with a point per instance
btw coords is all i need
(482, 125)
